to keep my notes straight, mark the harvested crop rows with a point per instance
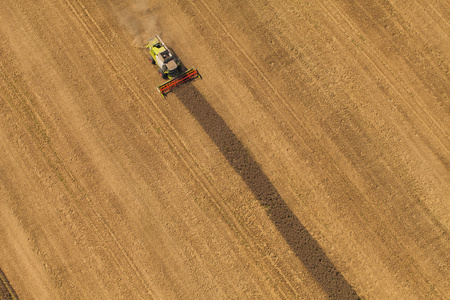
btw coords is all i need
(310, 162)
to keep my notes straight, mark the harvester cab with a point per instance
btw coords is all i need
(169, 65)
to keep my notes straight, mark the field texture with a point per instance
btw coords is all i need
(312, 161)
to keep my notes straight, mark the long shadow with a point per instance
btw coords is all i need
(299, 239)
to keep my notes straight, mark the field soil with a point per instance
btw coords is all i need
(312, 161)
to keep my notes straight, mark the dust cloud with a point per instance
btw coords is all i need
(138, 20)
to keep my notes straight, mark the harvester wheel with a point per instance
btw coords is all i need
(151, 60)
(163, 75)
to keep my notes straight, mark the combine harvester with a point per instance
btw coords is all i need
(170, 66)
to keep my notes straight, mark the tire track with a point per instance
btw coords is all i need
(382, 71)
(446, 30)
(22, 104)
(381, 65)
(25, 108)
(386, 72)
(6, 290)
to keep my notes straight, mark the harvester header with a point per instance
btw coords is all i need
(169, 65)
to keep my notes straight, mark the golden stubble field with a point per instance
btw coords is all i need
(310, 162)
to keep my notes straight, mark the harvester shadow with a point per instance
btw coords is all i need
(299, 239)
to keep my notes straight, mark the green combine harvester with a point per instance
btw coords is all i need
(170, 66)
